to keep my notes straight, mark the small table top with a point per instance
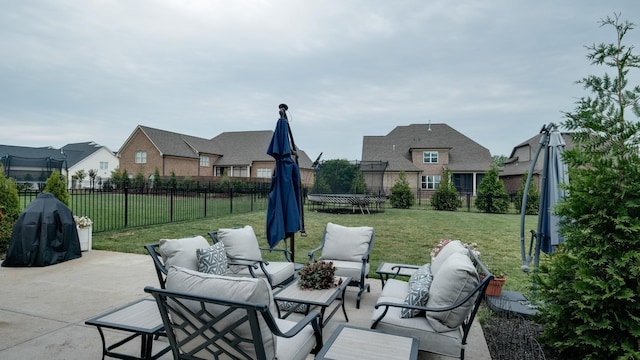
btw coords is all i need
(294, 293)
(387, 268)
(141, 316)
(349, 342)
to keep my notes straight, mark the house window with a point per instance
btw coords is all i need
(240, 172)
(221, 171)
(141, 157)
(430, 157)
(204, 161)
(104, 165)
(264, 173)
(431, 182)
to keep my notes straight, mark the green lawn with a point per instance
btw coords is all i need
(404, 236)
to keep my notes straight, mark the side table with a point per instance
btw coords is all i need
(142, 318)
(354, 343)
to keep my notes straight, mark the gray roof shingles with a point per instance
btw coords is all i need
(464, 153)
(237, 148)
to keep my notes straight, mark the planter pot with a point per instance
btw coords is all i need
(85, 236)
(495, 286)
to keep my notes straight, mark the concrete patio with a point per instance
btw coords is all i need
(43, 310)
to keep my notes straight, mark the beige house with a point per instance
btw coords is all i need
(519, 162)
(423, 151)
(239, 154)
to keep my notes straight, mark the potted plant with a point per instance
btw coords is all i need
(496, 284)
(317, 275)
(85, 231)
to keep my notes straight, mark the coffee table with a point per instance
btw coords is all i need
(142, 318)
(355, 343)
(323, 298)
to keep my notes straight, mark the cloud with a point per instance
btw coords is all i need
(93, 70)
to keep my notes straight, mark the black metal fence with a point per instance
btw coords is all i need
(143, 206)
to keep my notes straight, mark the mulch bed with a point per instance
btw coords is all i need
(514, 337)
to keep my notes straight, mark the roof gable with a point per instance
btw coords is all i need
(397, 145)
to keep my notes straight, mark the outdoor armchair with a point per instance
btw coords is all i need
(210, 316)
(244, 256)
(349, 249)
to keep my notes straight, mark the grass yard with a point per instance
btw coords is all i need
(404, 236)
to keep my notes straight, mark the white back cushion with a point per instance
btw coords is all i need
(240, 243)
(346, 243)
(252, 290)
(456, 279)
(182, 252)
(453, 247)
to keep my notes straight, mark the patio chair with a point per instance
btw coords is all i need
(180, 252)
(245, 256)
(237, 322)
(348, 248)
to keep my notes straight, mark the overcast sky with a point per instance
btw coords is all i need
(84, 70)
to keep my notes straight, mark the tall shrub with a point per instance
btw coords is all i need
(9, 210)
(446, 197)
(57, 185)
(533, 197)
(591, 287)
(401, 194)
(492, 195)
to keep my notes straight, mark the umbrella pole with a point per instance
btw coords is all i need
(282, 108)
(526, 260)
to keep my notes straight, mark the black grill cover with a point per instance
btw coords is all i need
(45, 234)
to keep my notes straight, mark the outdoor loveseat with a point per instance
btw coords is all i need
(438, 303)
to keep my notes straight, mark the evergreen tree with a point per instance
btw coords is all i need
(117, 178)
(492, 195)
(446, 197)
(591, 286)
(358, 185)
(157, 180)
(9, 210)
(533, 197)
(57, 185)
(401, 194)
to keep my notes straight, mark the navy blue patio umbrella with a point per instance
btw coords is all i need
(285, 214)
(554, 174)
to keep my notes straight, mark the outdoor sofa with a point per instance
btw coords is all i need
(438, 303)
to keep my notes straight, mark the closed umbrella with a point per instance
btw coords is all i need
(554, 174)
(285, 214)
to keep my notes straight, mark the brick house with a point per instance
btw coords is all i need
(239, 154)
(519, 162)
(423, 151)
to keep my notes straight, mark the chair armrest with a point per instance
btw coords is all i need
(161, 269)
(312, 252)
(312, 318)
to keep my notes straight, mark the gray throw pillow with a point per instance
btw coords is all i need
(212, 260)
(419, 284)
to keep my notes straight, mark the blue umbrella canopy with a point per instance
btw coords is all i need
(284, 210)
(554, 174)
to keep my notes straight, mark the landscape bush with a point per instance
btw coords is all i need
(57, 185)
(590, 288)
(401, 195)
(492, 195)
(446, 197)
(9, 210)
